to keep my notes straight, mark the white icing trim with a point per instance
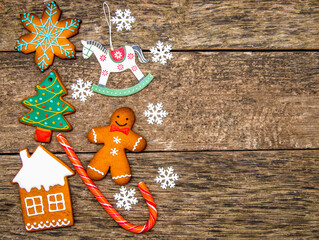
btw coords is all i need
(137, 142)
(94, 135)
(122, 176)
(42, 169)
(56, 202)
(34, 206)
(94, 169)
(42, 225)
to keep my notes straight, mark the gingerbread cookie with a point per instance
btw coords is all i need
(48, 36)
(44, 190)
(116, 137)
(48, 108)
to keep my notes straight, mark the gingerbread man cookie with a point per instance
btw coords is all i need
(116, 137)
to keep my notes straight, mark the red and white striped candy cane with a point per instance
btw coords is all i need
(102, 200)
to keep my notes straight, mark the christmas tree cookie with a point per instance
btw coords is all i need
(48, 108)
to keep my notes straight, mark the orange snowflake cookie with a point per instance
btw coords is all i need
(48, 36)
(116, 137)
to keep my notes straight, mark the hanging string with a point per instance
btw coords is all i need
(108, 20)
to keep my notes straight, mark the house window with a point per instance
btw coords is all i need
(56, 202)
(34, 205)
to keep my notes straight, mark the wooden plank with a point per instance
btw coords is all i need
(184, 24)
(238, 194)
(215, 101)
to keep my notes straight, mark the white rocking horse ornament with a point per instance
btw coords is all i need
(116, 61)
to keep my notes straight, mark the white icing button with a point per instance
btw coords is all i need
(59, 220)
(41, 222)
(65, 219)
(53, 221)
(47, 221)
(28, 224)
(34, 223)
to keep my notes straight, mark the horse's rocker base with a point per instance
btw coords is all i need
(123, 92)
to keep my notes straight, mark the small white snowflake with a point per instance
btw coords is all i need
(123, 19)
(117, 140)
(155, 113)
(82, 90)
(113, 151)
(125, 198)
(166, 177)
(161, 53)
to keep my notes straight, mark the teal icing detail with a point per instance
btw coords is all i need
(47, 35)
(123, 92)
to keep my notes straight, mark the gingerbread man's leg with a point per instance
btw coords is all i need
(98, 166)
(120, 169)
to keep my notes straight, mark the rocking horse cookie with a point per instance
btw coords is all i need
(116, 137)
(117, 60)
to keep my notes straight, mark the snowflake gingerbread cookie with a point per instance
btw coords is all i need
(48, 36)
(116, 137)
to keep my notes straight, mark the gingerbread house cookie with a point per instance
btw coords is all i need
(44, 190)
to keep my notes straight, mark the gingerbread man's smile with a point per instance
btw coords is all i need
(120, 124)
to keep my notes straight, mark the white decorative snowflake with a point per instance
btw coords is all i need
(118, 55)
(114, 151)
(155, 113)
(161, 53)
(123, 19)
(117, 140)
(125, 198)
(82, 90)
(166, 177)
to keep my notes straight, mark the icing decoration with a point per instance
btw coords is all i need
(41, 170)
(155, 113)
(161, 53)
(44, 190)
(48, 108)
(82, 90)
(56, 202)
(166, 177)
(116, 61)
(48, 36)
(125, 198)
(123, 130)
(47, 225)
(96, 170)
(116, 138)
(123, 19)
(103, 201)
(34, 205)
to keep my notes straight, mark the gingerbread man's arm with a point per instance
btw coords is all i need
(96, 135)
(135, 142)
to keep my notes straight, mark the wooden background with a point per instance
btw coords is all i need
(242, 130)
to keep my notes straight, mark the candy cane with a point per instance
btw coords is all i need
(102, 200)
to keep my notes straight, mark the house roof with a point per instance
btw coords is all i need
(41, 169)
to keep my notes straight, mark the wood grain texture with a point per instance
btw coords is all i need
(233, 195)
(186, 24)
(220, 100)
